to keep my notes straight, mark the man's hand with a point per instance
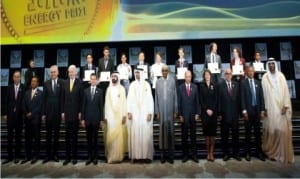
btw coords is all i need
(29, 115)
(197, 118)
(124, 120)
(79, 115)
(245, 115)
(219, 118)
(174, 116)
(149, 116)
(5, 117)
(83, 123)
(262, 115)
(43, 117)
(157, 116)
(283, 110)
(181, 119)
(129, 116)
(209, 112)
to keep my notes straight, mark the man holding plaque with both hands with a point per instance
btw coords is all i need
(213, 62)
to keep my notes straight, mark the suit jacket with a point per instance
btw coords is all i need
(242, 62)
(246, 96)
(85, 67)
(52, 101)
(208, 97)
(13, 106)
(92, 109)
(177, 65)
(208, 60)
(101, 66)
(188, 106)
(33, 105)
(71, 101)
(229, 106)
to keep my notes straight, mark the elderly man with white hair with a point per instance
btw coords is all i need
(71, 112)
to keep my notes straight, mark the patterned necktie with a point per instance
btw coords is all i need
(188, 90)
(253, 100)
(32, 94)
(71, 85)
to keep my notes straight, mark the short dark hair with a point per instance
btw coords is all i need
(106, 48)
(89, 54)
(206, 71)
(93, 74)
(16, 71)
(141, 52)
(36, 77)
(211, 45)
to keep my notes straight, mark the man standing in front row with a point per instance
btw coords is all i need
(253, 107)
(92, 114)
(115, 118)
(32, 108)
(71, 113)
(140, 113)
(165, 110)
(229, 110)
(51, 113)
(189, 112)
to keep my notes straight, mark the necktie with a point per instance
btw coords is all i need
(16, 92)
(253, 100)
(188, 90)
(105, 63)
(71, 85)
(93, 92)
(229, 89)
(214, 58)
(90, 67)
(32, 94)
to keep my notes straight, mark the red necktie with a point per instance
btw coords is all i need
(188, 90)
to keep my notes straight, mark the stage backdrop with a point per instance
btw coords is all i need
(68, 21)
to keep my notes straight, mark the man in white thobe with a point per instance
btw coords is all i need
(277, 127)
(115, 119)
(140, 108)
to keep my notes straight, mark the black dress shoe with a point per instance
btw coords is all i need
(66, 162)
(25, 160)
(237, 157)
(95, 161)
(46, 160)
(195, 159)
(185, 159)
(7, 161)
(55, 158)
(171, 161)
(162, 160)
(248, 157)
(261, 157)
(34, 160)
(88, 162)
(16, 161)
(74, 162)
(225, 158)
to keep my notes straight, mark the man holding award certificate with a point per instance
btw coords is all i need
(213, 62)
(258, 66)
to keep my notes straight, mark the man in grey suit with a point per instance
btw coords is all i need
(165, 109)
(213, 57)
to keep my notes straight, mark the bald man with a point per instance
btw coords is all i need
(52, 113)
(229, 110)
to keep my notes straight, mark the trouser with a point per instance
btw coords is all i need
(52, 136)
(186, 129)
(32, 137)
(225, 129)
(14, 132)
(253, 123)
(92, 140)
(71, 138)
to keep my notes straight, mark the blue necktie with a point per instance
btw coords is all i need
(253, 101)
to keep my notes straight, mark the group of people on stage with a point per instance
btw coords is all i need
(125, 110)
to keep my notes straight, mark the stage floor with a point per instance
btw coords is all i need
(219, 168)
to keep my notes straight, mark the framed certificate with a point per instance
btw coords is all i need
(180, 72)
(258, 67)
(237, 70)
(87, 74)
(145, 70)
(213, 67)
(104, 76)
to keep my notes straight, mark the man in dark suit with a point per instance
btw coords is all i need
(189, 111)
(89, 66)
(13, 115)
(32, 108)
(213, 57)
(229, 110)
(180, 63)
(141, 59)
(71, 113)
(253, 107)
(31, 72)
(52, 113)
(92, 113)
(106, 64)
